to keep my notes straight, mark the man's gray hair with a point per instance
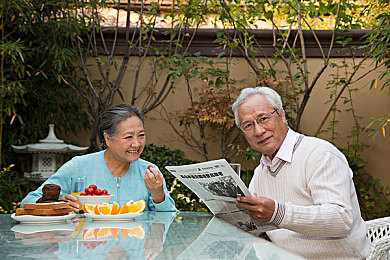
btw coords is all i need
(271, 95)
(113, 116)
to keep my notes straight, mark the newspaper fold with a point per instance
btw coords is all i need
(218, 186)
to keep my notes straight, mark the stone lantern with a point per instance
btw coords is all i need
(48, 154)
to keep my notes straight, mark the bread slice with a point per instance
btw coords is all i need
(43, 212)
(52, 205)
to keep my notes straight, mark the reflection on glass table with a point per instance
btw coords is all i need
(221, 241)
(43, 233)
(141, 238)
(154, 235)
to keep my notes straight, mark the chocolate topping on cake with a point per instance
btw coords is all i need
(51, 193)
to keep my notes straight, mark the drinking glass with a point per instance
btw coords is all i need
(237, 168)
(77, 186)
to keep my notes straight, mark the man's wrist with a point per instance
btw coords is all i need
(278, 216)
(275, 211)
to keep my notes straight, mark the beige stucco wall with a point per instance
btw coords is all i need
(368, 103)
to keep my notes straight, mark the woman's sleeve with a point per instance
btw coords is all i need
(167, 205)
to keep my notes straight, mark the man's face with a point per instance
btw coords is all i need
(267, 130)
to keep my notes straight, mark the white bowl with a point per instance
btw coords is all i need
(94, 199)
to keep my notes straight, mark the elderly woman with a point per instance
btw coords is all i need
(118, 168)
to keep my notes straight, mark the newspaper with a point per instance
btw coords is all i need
(218, 186)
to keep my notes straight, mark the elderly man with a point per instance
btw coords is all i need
(303, 184)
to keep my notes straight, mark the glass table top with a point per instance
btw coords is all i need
(154, 235)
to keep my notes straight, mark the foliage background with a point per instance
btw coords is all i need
(34, 51)
(14, 189)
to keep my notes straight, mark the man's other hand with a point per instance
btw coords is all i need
(260, 208)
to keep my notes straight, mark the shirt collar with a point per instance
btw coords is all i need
(285, 151)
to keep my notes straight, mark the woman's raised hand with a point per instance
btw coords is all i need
(154, 183)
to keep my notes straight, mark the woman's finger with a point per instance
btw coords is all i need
(72, 201)
(158, 176)
(149, 175)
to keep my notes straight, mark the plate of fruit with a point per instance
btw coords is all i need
(114, 212)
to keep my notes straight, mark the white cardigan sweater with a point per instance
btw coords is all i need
(318, 212)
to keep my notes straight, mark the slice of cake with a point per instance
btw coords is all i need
(52, 205)
(50, 193)
(42, 212)
(44, 209)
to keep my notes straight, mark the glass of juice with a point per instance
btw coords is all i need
(77, 186)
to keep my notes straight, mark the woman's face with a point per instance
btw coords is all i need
(129, 142)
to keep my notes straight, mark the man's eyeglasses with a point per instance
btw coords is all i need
(261, 120)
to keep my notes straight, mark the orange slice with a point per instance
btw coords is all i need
(87, 233)
(104, 232)
(115, 209)
(88, 208)
(124, 209)
(96, 210)
(114, 232)
(104, 209)
(124, 232)
(96, 232)
(137, 207)
(138, 232)
(130, 202)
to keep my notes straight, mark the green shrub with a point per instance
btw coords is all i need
(13, 189)
(184, 198)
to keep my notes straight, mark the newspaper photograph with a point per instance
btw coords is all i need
(218, 185)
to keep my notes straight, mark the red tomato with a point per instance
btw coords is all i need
(93, 186)
(89, 191)
(97, 192)
(104, 192)
(150, 167)
(83, 194)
